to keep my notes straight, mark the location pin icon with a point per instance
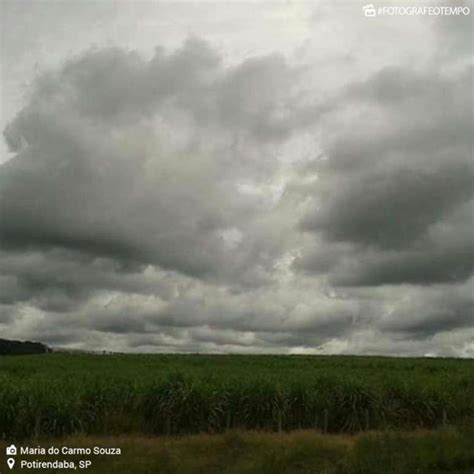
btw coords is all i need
(10, 462)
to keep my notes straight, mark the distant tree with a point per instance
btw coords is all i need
(21, 348)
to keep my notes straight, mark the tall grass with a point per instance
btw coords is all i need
(60, 394)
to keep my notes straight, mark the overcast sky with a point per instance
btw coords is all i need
(243, 177)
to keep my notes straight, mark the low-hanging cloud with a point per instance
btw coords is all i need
(396, 205)
(182, 202)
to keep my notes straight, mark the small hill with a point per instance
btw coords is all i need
(8, 347)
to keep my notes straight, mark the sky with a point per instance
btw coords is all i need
(237, 177)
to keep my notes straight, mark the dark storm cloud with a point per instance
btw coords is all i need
(398, 203)
(416, 266)
(59, 280)
(249, 318)
(116, 87)
(419, 121)
(391, 208)
(187, 201)
(440, 311)
(134, 185)
(120, 157)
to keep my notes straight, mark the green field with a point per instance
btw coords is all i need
(56, 395)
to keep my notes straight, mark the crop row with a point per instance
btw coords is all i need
(181, 403)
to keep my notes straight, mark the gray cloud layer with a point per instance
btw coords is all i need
(400, 199)
(118, 157)
(184, 202)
